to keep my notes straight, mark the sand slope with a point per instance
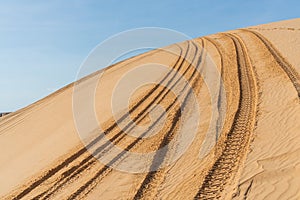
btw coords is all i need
(254, 156)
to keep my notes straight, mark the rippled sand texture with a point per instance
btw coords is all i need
(253, 153)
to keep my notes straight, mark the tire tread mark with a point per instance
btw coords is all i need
(283, 63)
(150, 180)
(72, 173)
(89, 185)
(83, 150)
(237, 141)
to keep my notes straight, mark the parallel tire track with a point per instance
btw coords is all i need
(88, 162)
(129, 147)
(226, 166)
(83, 150)
(283, 63)
(89, 186)
(153, 179)
(237, 141)
(73, 173)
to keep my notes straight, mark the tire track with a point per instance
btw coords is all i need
(224, 168)
(149, 185)
(73, 169)
(290, 71)
(218, 48)
(84, 165)
(237, 141)
(221, 96)
(83, 150)
(91, 184)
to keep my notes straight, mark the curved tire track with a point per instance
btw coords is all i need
(89, 186)
(282, 62)
(76, 170)
(237, 141)
(152, 180)
(221, 96)
(83, 150)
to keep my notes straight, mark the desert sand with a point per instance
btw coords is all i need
(244, 145)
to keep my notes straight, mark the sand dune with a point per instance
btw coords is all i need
(241, 142)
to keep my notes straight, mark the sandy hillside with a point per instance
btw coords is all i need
(218, 119)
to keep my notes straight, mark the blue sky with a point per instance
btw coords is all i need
(43, 43)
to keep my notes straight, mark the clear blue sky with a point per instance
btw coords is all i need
(43, 43)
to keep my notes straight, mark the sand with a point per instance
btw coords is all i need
(255, 155)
